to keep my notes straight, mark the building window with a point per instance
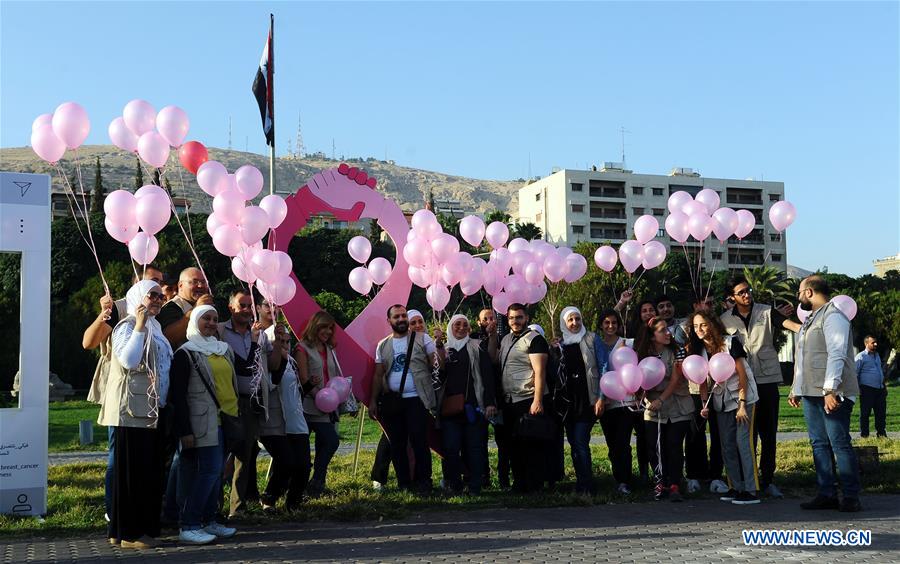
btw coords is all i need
(637, 211)
(716, 256)
(658, 212)
(637, 190)
(661, 233)
(577, 187)
(657, 191)
(774, 197)
(776, 258)
(577, 208)
(775, 237)
(578, 229)
(538, 217)
(537, 197)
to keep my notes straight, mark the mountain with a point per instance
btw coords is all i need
(405, 185)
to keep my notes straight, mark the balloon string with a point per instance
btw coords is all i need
(699, 271)
(187, 204)
(713, 274)
(705, 405)
(633, 286)
(690, 269)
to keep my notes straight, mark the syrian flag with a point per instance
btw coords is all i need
(264, 87)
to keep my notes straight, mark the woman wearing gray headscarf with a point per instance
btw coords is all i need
(137, 388)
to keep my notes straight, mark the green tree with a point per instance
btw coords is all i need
(450, 224)
(769, 285)
(138, 174)
(98, 193)
(528, 231)
(375, 231)
(497, 215)
(167, 186)
(156, 177)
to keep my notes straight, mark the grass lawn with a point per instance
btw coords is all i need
(76, 492)
(791, 419)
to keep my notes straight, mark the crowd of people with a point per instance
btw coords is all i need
(188, 400)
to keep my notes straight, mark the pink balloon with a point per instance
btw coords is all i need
(71, 124)
(380, 270)
(340, 385)
(152, 212)
(631, 377)
(121, 136)
(472, 228)
(721, 367)
(228, 207)
(710, 200)
(444, 247)
(143, 248)
(654, 371)
(173, 124)
(654, 254)
(631, 255)
(249, 181)
(555, 268)
(359, 249)
(139, 116)
(533, 272)
(746, 223)
(119, 207)
(678, 200)
(437, 296)
(227, 240)
(502, 258)
(417, 252)
(497, 233)
(564, 251)
(623, 356)
(281, 291)
(611, 386)
(518, 244)
(645, 228)
(470, 283)
(360, 280)
(212, 177)
(521, 259)
(677, 225)
(418, 276)
(284, 262)
(242, 270)
(577, 267)
(421, 219)
(846, 304)
(606, 258)
(802, 314)
(782, 215)
(265, 265)
(695, 368)
(700, 226)
(539, 290)
(276, 208)
(725, 223)
(254, 224)
(149, 190)
(153, 149)
(47, 145)
(327, 400)
(493, 282)
(122, 233)
(212, 223)
(694, 207)
(43, 119)
(500, 302)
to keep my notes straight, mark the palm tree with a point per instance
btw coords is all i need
(527, 231)
(769, 284)
(497, 215)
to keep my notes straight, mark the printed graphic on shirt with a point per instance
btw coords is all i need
(399, 363)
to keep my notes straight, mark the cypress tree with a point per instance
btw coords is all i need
(138, 175)
(98, 193)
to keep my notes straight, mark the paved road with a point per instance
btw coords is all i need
(695, 531)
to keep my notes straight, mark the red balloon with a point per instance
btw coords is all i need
(193, 154)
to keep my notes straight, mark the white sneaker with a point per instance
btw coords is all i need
(718, 487)
(220, 531)
(196, 536)
(693, 486)
(377, 486)
(106, 516)
(624, 489)
(773, 491)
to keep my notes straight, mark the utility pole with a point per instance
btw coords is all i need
(229, 133)
(301, 150)
(332, 148)
(623, 131)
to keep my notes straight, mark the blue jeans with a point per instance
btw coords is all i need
(108, 482)
(200, 474)
(829, 434)
(459, 436)
(327, 442)
(579, 435)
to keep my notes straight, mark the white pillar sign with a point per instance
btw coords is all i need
(25, 230)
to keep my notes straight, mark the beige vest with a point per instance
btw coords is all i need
(758, 342)
(516, 371)
(815, 357)
(726, 396)
(126, 399)
(204, 414)
(101, 373)
(679, 406)
(419, 367)
(315, 367)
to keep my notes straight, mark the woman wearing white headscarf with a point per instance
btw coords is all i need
(204, 386)
(467, 403)
(577, 392)
(137, 388)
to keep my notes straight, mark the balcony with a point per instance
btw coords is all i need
(608, 234)
(596, 214)
(747, 200)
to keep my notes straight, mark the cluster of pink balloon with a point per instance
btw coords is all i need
(628, 375)
(377, 272)
(641, 251)
(135, 219)
(843, 302)
(149, 134)
(67, 127)
(719, 367)
(330, 397)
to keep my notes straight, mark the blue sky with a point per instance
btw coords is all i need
(804, 93)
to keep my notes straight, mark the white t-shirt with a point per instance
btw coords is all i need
(396, 375)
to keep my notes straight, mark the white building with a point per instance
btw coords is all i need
(601, 206)
(883, 266)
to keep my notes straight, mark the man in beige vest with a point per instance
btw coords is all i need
(755, 324)
(193, 291)
(825, 384)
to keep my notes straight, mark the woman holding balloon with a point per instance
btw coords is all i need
(317, 363)
(734, 397)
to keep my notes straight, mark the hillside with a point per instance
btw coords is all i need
(405, 185)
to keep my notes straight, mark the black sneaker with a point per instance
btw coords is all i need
(849, 505)
(745, 498)
(729, 495)
(820, 502)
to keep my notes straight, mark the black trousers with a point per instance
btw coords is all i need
(382, 464)
(617, 425)
(503, 438)
(766, 431)
(667, 462)
(290, 468)
(872, 399)
(640, 443)
(528, 457)
(699, 466)
(410, 426)
(137, 484)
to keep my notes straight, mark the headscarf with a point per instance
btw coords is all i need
(135, 297)
(414, 313)
(537, 328)
(453, 342)
(197, 342)
(568, 337)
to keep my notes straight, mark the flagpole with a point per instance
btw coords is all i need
(272, 92)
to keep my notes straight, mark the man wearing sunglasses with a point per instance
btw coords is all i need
(193, 291)
(755, 324)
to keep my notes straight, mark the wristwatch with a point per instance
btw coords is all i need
(829, 392)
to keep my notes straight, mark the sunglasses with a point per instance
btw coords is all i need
(156, 296)
(744, 292)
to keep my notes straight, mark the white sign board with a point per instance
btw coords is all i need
(25, 230)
